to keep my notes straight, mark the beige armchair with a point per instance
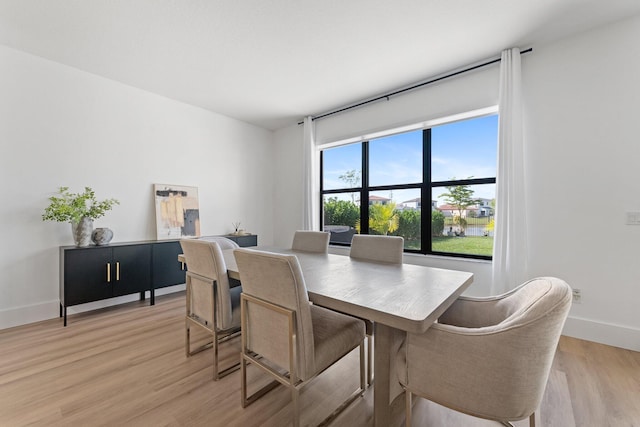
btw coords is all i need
(387, 249)
(311, 241)
(488, 357)
(283, 333)
(212, 304)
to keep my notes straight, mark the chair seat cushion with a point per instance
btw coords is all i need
(334, 335)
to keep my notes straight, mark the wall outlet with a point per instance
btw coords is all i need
(633, 218)
(577, 296)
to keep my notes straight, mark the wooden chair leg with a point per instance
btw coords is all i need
(532, 420)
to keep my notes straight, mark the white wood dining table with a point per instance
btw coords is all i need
(397, 298)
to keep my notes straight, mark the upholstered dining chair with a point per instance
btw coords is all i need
(488, 357)
(375, 248)
(212, 305)
(283, 332)
(370, 247)
(222, 241)
(311, 241)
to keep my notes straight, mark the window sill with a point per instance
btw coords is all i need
(344, 250)
(447, 258)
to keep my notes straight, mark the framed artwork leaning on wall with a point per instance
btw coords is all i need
(177, 211)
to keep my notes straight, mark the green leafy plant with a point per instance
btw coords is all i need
(437, 223)
(408, 224)
(340, 212)
(72, 207)
(383, 219)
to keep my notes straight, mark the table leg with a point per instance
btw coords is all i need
(386, 388)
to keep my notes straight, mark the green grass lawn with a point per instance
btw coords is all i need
(473, 245)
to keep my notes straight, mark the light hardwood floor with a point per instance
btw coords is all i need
(126, 366)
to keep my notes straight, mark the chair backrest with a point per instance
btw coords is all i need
(311, 241)
(377, 248)
(223, 242)
(206, 268)
(277, 279)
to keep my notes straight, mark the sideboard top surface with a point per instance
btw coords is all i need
(143, 242)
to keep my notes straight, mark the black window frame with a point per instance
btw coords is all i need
(426, 191)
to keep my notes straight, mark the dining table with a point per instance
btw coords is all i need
(397, 298)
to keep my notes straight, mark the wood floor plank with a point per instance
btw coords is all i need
(556, 403)
(126, 366)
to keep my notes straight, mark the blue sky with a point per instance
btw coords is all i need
(461, 150)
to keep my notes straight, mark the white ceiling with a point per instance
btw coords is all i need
(271, 62)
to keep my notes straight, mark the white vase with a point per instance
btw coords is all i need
(81, 231)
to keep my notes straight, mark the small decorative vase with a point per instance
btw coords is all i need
(101, 236)
(81, 231)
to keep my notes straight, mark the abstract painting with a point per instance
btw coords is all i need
(177, 211)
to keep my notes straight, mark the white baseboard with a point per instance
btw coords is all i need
(16, 316)
(23, 315)
(604, 333)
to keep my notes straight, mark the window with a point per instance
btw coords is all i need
(377, 187)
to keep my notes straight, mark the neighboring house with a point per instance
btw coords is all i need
(378, 200)
(481, 209)
(412, 204)
(451, 210)
(485, 208)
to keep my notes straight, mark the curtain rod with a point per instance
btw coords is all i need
(415, 86)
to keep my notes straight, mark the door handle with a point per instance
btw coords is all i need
(108, 272)
(117, 271)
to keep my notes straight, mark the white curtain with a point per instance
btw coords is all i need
(311, 190)
(510, 241)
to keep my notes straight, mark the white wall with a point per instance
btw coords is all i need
(582, 132)
(63, 127)
(582, 97)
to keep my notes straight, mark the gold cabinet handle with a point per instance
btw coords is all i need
(108, 272)
(117, 270)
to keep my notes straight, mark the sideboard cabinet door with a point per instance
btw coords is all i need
(132, 269)
(167, 270)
